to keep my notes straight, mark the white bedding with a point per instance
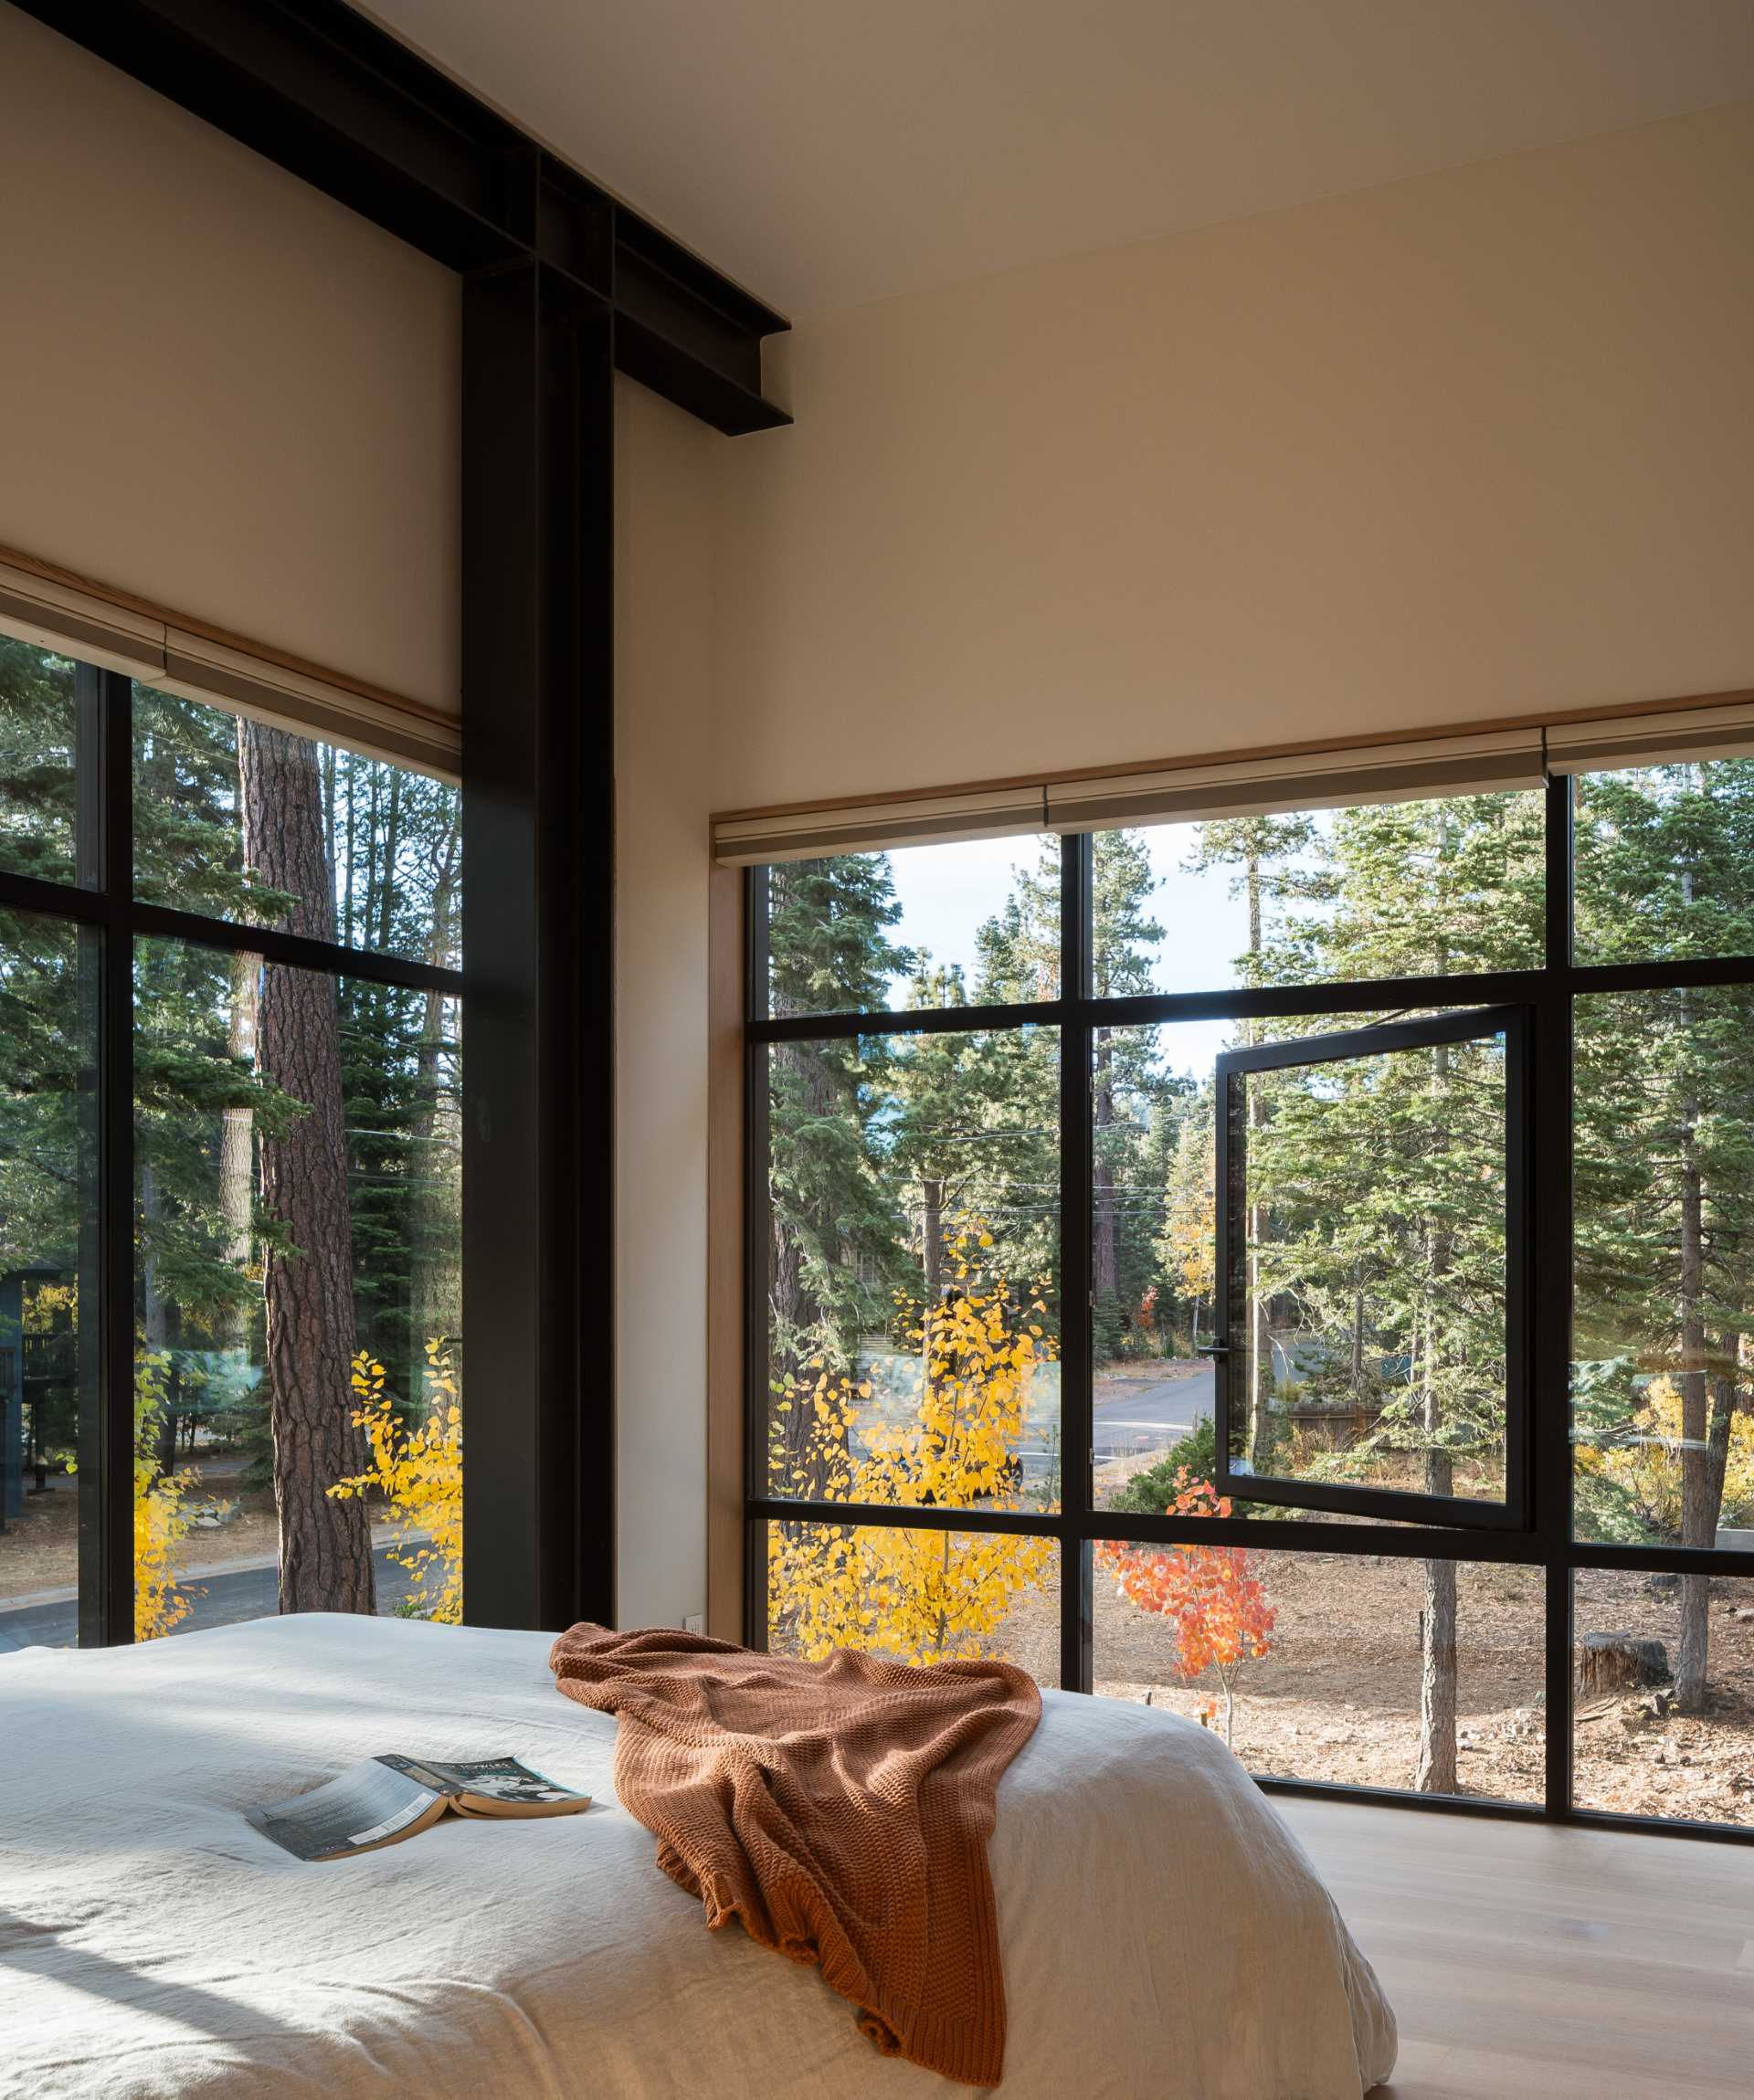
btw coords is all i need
(1163, 1934)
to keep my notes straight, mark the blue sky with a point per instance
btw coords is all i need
(946, 892)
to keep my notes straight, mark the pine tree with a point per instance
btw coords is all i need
(1374, 1188)
(39, 736)
(1271, 856)
(833, 1256)
(210, 1112)
(1187, 1243)
(1125, 1077)
(1019, 950)
(47, 1154)
(201, 1099)
(325, 1540)
(1666, 1129)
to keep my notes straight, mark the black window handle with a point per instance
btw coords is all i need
(1211, 1348)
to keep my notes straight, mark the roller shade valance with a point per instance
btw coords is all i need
(807, 835)
(1608, 746)
(253, 685)
(1318, 780)
(120, 634)
(73, 623)
(1166, 795)
(1477, 761)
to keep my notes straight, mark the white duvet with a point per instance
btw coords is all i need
(1163, 1934)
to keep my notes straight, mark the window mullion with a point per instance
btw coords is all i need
(1076, 1435)
(757, 1238)
(1552, 1110)
(107, 1512)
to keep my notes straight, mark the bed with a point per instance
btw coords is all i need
(1163, 1933)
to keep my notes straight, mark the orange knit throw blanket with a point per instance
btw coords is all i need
(841, 1810)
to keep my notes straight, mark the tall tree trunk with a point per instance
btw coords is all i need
(155, 1315)
(1698, 1513)
(1259, 1336)
(438, 1274)
(387, 893)
(931, 1249)
(353, 872)
(796, 1309)
(325, 1544)
(329, 802)
(236, 1134)
(932, 1290)
(1436, 1772)
(786, 1286)
(374, 839)
(1104, 1269)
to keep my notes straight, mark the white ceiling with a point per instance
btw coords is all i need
(830, 152)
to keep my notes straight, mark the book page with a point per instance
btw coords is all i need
(505, 1780)
(369, 1805)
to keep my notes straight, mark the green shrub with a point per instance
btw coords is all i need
(1150, 1493)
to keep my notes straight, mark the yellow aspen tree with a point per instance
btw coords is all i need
(160, 1523)
(419, 1473)
(916, 1595)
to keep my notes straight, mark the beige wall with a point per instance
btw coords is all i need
(220, 389)
(1473, 444)
(663, 607)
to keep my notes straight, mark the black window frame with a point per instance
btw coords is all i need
(1543, 993)
(1467, 1024)
(100, 901)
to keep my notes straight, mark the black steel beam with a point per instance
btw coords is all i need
(343, 104)
(687, 332)
(339, 102)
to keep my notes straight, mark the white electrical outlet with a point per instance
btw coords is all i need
(696, 1623)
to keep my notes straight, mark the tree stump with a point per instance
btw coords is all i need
(1608, 1662)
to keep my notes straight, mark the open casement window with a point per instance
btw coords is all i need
(1371, 1224)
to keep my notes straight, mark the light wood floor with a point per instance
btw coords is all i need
(1543, 1963)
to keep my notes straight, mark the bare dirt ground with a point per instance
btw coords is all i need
(1336, 1698)
(1692, 1765)
(40, 1549)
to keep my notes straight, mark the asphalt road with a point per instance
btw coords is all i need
(1131, 1417)
(239, 1593)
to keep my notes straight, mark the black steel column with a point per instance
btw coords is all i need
(538, 943)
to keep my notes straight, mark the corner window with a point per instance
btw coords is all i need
(230, 1169)
(1298, 1272)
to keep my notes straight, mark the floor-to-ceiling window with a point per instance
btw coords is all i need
(230, 1276)
(1294, 1268)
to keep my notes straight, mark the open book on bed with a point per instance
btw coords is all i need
(382, 1800)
